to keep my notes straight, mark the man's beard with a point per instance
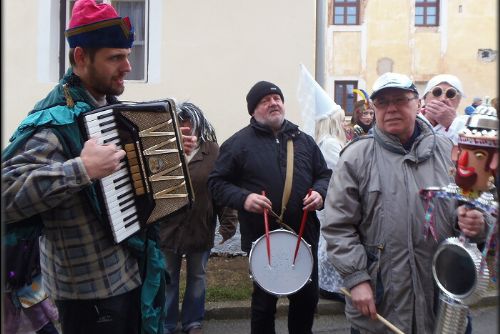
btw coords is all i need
(466, 183)
(101, 85)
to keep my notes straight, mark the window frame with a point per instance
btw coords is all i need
(425, 4)
(65, 15)
(345, 95)
(345, 5)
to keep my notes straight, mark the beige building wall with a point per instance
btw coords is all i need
(387, 31)
(210, 52)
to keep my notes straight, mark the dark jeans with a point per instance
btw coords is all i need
(49, 328)
(114, 315)
(302, 306)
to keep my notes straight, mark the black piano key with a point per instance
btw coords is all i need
(123, 177)
(111, 128)
(105, 141)
(126, 202)
(131, 205)
(118, 186)
(106, 115)
(132, 223)
(111, 121)
(125, 194)
(129, 217)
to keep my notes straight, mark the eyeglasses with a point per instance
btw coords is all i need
(450, 93)
(398, 102)
(367, 113)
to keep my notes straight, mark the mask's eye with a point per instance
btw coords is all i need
(480, 155)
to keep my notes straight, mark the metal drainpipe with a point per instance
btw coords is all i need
(321, 20)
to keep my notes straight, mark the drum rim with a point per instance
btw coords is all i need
(280, 230)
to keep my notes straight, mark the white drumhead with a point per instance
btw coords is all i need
(282, 277)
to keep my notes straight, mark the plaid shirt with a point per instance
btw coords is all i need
(78, 258)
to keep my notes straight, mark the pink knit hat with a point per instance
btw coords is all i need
(95, 25)
(88, 12)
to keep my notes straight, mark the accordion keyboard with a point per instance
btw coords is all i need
(118, 194)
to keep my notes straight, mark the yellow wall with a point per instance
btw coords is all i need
(348, 45)
(420, 52)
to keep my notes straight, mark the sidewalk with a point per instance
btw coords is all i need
(241, 309)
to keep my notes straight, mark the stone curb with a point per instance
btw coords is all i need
(241, 309)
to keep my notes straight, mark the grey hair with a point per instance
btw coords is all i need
(201, 127)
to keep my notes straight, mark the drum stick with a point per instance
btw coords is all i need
(379, 317)
(266, 227)
(301, 230)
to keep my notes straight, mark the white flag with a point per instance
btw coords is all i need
(314, 102)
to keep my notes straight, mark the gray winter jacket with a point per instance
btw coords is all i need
(375, 225)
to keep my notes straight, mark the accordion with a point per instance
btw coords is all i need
(153, 179)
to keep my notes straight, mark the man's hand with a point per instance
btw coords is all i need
(189, 141)
(257, 203)
(313, 201)
(362, 299)
(470, 221)
(441, 111)
(100, 160)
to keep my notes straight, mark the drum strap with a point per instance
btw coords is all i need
(288, 178)
(288, 186)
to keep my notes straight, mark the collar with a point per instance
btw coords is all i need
(287, 128)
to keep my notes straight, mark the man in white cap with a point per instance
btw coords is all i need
(375, 216)
(441, 98)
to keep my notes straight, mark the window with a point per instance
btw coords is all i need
(344, 95)
(136, 10)
(346, 12)
(427, 13)
(486, 55)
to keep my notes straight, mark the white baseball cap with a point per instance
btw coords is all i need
(449, 79)
(392, 80)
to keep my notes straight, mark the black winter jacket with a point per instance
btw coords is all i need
(254, 160)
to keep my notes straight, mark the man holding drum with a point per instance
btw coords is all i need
(48, 174)
(255, 160)
(375, 216)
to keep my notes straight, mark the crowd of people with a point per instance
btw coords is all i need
(355, 184)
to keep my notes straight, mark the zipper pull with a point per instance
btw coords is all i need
(277, 141)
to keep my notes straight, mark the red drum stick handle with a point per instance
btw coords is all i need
(301, 230)
(266, 227)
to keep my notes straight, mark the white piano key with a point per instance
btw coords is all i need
(124, 233)
(118, 219)
(97, 128)
(99, 115)
(110, 178)
(117, 205)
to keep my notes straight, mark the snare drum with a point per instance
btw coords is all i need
(282, 277)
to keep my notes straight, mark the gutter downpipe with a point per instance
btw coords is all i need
(321, 19)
